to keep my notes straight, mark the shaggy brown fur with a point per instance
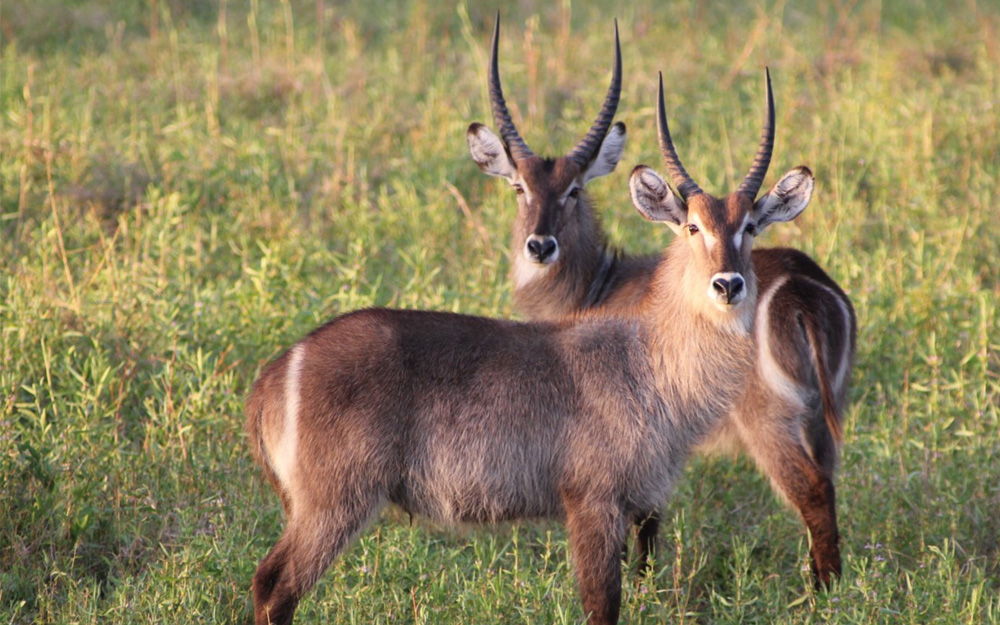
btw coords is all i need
(790, 427)
(466, 419)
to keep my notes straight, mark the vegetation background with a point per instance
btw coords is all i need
(188, 187)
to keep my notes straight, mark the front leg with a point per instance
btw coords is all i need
(597, 530)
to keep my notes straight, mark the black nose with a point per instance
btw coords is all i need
(728, 288)
(540, 248)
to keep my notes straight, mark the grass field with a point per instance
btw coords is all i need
(189, 187)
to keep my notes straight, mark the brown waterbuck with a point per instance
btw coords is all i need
(554, 267)
(468, 419)
(788, 419)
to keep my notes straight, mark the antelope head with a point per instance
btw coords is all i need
(548, 190)
(719, 232)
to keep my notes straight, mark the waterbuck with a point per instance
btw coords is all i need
(788, 419)
(553, 265)
(469, 419)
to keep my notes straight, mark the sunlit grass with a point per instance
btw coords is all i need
(184, 192)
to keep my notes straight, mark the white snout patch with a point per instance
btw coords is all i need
(283, 456)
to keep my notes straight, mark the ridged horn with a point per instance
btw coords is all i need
(501, 116)
(751, 184)
(686, 186)
(584, 152)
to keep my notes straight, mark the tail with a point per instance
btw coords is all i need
(831, 407)
(254, 410)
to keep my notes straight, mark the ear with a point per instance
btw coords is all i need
(607, 157)
(654, 200)
(489, 152)
(786, 199)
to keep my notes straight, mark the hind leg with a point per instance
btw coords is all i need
(819, 511)
(275, 592)
(306, 548)
(807, 485)
(647, 527)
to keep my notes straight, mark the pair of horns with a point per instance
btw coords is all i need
(686, 186)
(585, 150)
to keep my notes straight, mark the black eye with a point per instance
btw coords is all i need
(519, 189)
(575, 193)
(692, 229)
(751, 228)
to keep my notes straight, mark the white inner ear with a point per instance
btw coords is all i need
(489, 153)
(654, 200)
(608, 155)
(786, 200)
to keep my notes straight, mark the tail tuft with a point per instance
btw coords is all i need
(254, 410)
(831, 408)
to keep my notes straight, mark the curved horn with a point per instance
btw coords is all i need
(678, 175)
(501, 116)
(751, 184)
(587, 148)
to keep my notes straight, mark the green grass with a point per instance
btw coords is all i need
(187, 188)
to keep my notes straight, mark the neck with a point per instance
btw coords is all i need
(602, 280)
(701, 354)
